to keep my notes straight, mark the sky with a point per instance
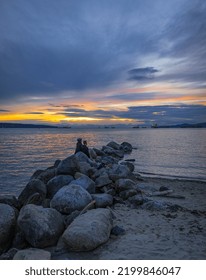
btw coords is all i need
(117, 62)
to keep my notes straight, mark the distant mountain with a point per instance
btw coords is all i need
(21, 125)
(185, 125)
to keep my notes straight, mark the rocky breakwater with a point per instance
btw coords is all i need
(69, 203)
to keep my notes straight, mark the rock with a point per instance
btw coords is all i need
(41, 227)
(57, 162)
(47, 174)
(127, 147)
(67, 166)
(129, 165)
(108, 160)
(57, 183)
(85, 182)
(137, 200)
(162, 189)
(125, 184)
(7, 226)
(89, 230)
(127, 193)
(86, 169)
(10, 200)
(83, 158)
(19, 240)
(9, 254)
(70, 198)
(70, 218)
(117, 231)
(153, 205)
(102, 181)
(35, 198)
(102, 200)
(32, 254)
(119, 171)
(34, 186)
(114, 145)
(100, 172)
(99, 152)
(92, 153)
(112, 152)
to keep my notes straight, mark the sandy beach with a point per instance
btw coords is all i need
(157, 234)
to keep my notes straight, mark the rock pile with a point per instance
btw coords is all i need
(69, 203)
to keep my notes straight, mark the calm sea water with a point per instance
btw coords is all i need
(160, 152)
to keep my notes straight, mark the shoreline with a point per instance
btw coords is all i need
(156, 235)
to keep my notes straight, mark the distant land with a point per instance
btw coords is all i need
(21, 125)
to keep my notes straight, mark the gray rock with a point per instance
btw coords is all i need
(34, 186)
(89, 230)
(102, 181)
(70, 218)
(32, 254)
(47, 174)
(102, 200)
(7, 226)
(70, 198)
(129, 165)
(100, 172)
(114, 145)
(57, 183)
(124, 184)
(116, 230)
(85, 182)
(112, 152)
(10, 200)
(119, 171)
(99, 152)
(92, 153)
(85, 168)
(68, 166)
(137, 200)
(108, 160)
(35, 198)
(153, 205)
(41, 227)
(127, 193)
(127, 147)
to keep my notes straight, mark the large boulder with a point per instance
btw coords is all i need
(67, 166)
(70, 198)
(41, 227)
(89, 230)
(34, 186)
(32, 254)
(102, 200)
(7, 226)
(85, 182)
(57, 183)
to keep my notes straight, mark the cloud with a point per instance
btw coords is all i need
(4, 111)
(163, 115)
(139, 74)
(34, 113)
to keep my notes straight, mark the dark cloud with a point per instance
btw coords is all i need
(163, 115)
(4, 111)
(139, 74)
(34, 113)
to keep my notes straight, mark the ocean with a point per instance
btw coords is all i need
(172, 153)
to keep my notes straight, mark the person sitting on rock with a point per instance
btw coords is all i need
(79, 145)
(85, 148)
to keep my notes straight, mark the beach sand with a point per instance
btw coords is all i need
(153, 234)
